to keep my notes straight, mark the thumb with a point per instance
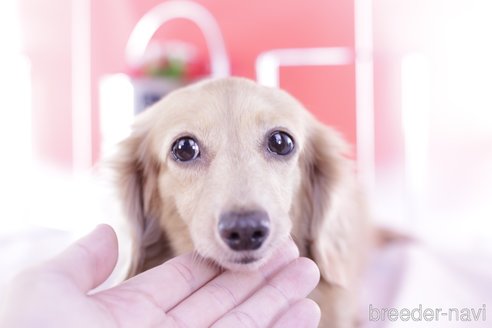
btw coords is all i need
(90, 260)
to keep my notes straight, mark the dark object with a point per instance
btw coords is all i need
(244, 231)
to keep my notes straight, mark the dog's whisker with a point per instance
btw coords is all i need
(196, 258)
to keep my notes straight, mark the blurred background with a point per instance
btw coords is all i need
(407, 82)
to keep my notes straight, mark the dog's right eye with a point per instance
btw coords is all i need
(280, 143)
(185, 149)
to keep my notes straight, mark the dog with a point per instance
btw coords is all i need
(231, 169)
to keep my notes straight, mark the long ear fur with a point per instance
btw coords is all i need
(136, 176)
(331, 200)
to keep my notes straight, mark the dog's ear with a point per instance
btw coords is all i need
(327, 180)
(136, 178)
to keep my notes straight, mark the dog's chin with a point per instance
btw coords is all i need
(244, 264)
(240, 262)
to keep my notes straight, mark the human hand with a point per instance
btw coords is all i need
(183, 292)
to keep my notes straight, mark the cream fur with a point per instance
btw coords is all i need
(311, 195)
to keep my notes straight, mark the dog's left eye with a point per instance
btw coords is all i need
(185, 149)
(280, 143)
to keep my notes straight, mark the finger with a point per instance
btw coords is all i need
(228, 290)
(303, 313)
(89, 261)
(292, 283)
(169, 283)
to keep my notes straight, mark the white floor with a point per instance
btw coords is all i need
(455, 288)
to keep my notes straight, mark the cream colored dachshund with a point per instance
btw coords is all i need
(230, 169)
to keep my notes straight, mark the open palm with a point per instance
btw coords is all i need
(182, 292)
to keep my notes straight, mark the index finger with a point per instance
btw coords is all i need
(169, 283)
(228, 290)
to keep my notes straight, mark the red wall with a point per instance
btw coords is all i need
(249, 28)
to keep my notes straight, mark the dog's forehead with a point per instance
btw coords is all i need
(227, 109)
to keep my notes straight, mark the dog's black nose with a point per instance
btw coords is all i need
(244, 231)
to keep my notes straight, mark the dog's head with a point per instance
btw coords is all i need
(232, 169)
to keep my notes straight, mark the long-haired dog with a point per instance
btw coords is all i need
(231, 169)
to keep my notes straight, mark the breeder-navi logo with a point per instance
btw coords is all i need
(428, 314)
